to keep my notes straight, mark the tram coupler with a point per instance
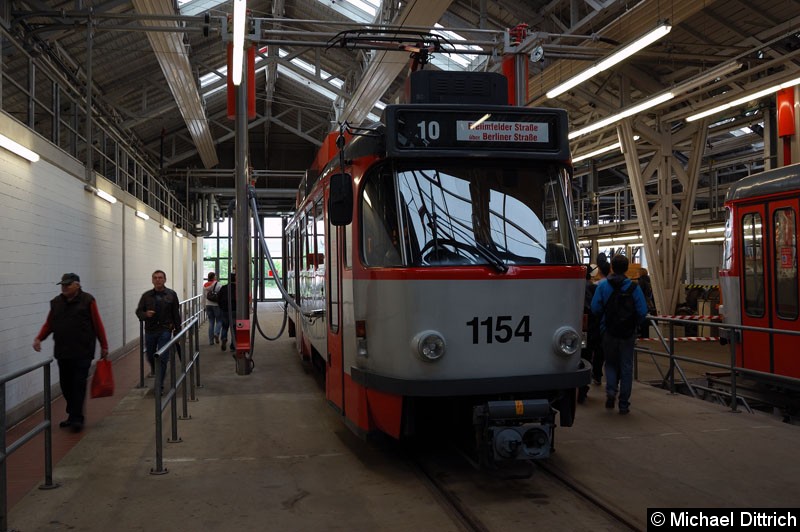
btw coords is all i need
(514, 430)
(244, 362)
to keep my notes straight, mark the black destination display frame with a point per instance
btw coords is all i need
(476, 131)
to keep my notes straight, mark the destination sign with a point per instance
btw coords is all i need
(493, 131)
(475, 130)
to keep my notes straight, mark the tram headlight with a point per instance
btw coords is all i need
(566, 341)
(429, 345)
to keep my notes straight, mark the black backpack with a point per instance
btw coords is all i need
(620, 311)
(213, 295)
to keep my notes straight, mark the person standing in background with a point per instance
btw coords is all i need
(227, 305)
(160, 311)
(212, 308)
(647, 290)
(75, 323)
(619, 304)
(598, 359)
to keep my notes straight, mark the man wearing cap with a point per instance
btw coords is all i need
(160, 311)
(75, 323)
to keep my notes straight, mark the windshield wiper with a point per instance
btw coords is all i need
(493, 259)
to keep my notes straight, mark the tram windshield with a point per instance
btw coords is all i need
(467, 213)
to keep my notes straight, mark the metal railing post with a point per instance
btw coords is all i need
(732, 344)
(141, 354)
(671, 371)
(173, 396)
(48, 434)
(197, 363)
(3, 466)
(158, 393)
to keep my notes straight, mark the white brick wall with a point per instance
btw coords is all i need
(50, 225)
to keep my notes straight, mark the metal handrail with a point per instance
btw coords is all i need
(735, 371)
(45, 426)
(190, 368)
(195, 310)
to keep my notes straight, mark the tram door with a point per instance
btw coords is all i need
(783, 268)
(768, 238)
(334, 373)
(753, 279)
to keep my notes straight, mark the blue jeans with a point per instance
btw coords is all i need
(619, 368)
(228, 322)
(214, 321)
(154, 341)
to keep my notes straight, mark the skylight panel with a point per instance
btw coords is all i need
(455, 61)
(358, 10)
(195, 7)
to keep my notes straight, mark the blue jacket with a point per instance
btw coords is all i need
(603, 292)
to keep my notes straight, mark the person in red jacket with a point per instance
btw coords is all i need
(76, 326)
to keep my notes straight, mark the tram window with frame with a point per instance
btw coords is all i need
(319, 230)
(753, 270)
(434, 213)
(291, 267)
(785, 263)
(333, 276)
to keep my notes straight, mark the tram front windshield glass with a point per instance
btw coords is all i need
(470, 213)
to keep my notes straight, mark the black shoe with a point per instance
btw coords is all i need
(581, 399)
(624, 411)
(224, 344)
(77, 426)
(609, 401)
(66, 423)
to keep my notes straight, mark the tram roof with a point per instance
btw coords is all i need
(776, 181)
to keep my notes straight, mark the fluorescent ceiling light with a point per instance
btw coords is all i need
(480, 121)
(702, 240)
(178, 234)
(600, 151)
(626, 238)
(166, 228)
(744, 99)
(18, 149)
(622, 54)
(647, 104)
(106, 196)
(142, 215)
(239, 15)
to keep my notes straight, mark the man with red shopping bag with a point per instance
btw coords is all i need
(76, 326)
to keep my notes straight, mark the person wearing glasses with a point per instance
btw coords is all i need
(75, 323)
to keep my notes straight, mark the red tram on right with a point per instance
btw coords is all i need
(759, 272)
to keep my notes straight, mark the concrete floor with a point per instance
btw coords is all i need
(265, 452)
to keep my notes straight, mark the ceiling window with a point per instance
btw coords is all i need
(358, 10)
(195, 7)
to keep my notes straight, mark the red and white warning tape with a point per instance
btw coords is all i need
(691, 317)
(689, 339)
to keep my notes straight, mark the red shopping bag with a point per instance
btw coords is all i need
(103, 379)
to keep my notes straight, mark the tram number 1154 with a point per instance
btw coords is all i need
(500, 329)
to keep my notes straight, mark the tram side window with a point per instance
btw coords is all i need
(320, 232)
(753, 274)
(785, 261)
(380, 244)
(290, 239)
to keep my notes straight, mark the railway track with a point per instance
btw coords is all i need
(479, 501)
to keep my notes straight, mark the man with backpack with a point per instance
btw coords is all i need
(621, 307)
(211, 295)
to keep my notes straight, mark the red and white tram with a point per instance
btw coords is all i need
(437, 270)
(759, 273)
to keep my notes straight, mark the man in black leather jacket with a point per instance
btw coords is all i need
(160, 311)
